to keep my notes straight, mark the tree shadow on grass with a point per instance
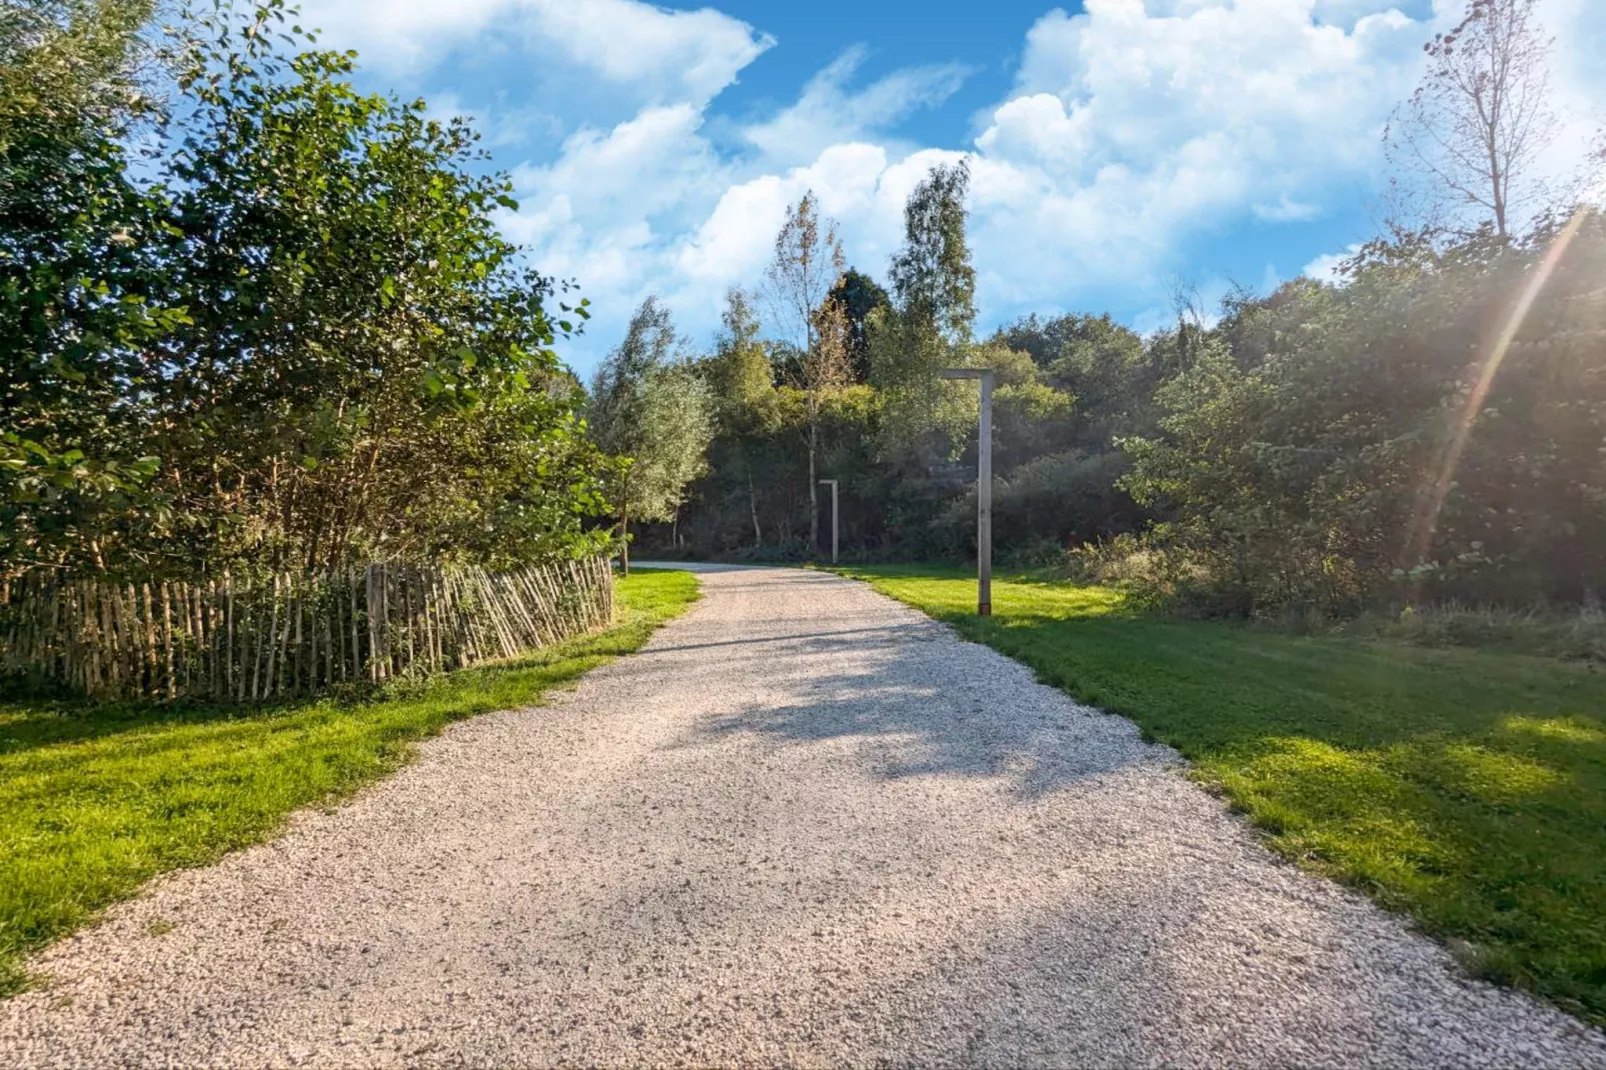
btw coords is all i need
(30, 725)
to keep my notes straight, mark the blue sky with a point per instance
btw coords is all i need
(1115, 149)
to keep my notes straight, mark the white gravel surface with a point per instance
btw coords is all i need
(804, 826)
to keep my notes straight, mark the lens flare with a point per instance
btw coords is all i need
(1426, 521)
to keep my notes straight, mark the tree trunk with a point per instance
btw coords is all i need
(752, 505)
(814, 487)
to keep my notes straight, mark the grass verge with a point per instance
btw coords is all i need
(1464, 787)
(95, 800)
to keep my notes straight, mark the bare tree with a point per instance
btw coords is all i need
(807, 264)
(1591, 182)
(1468, 138)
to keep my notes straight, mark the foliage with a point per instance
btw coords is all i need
(933, 282)
(656, 416)
(98, 799)
(928, 325)
(1324, 448)
(1465, 788)
(804, 271)
(1297, 464)
(70, 64)
(859, 295)
(80, 288)
(805, 265)
(302, 340)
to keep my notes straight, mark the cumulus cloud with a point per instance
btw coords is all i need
(1135, 130)
(662, 54)
(1324, 268)
(1131, 130)
(607, 209)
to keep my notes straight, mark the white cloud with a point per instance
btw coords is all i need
(829, 114)
(661, 54)
(1287, 210)
(1348, 12)
(1325, 267)
(608, 209)
(1132, 130)
(1135, 131)
(1139, 128)
(499, 126)
(732, 245)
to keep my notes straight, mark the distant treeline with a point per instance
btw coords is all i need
(1323, 445)
(1431, 425)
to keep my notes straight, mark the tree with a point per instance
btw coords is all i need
(928, 325)
(81, 285)
(300, 339)
(655, 416)
(77, 64)
(677, 428)
(933, 282)
(1474, 128)
(739, 370)
(806, 265)
(859, 296)
(743, 383)
(362, 338)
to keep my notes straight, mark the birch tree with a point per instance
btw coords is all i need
(656, 417)
(807, 264)
(1466, 143)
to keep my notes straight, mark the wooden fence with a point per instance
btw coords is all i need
(290, 634)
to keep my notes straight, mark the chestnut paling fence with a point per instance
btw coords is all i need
(248, 640)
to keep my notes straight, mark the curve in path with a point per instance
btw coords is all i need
(804, 825)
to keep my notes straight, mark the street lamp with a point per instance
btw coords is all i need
(984, 487)
(833, 518)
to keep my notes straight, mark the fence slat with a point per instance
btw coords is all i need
(230, 637)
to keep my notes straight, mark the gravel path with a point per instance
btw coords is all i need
(805, 825)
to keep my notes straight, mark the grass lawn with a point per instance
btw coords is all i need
(1464, 787)
(95, 800)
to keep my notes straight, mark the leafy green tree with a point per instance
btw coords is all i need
(359, 325)
(678, 427)
(656, 416)
(933, 282)
(302, 341)
(743, 384)
(859, 295)
(82, 289)
(1297, 467)
(928, 325)
(1103, 363)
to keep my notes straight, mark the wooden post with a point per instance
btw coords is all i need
(167, 637)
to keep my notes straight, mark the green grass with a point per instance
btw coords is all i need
(1466, 788)
(95, 800)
